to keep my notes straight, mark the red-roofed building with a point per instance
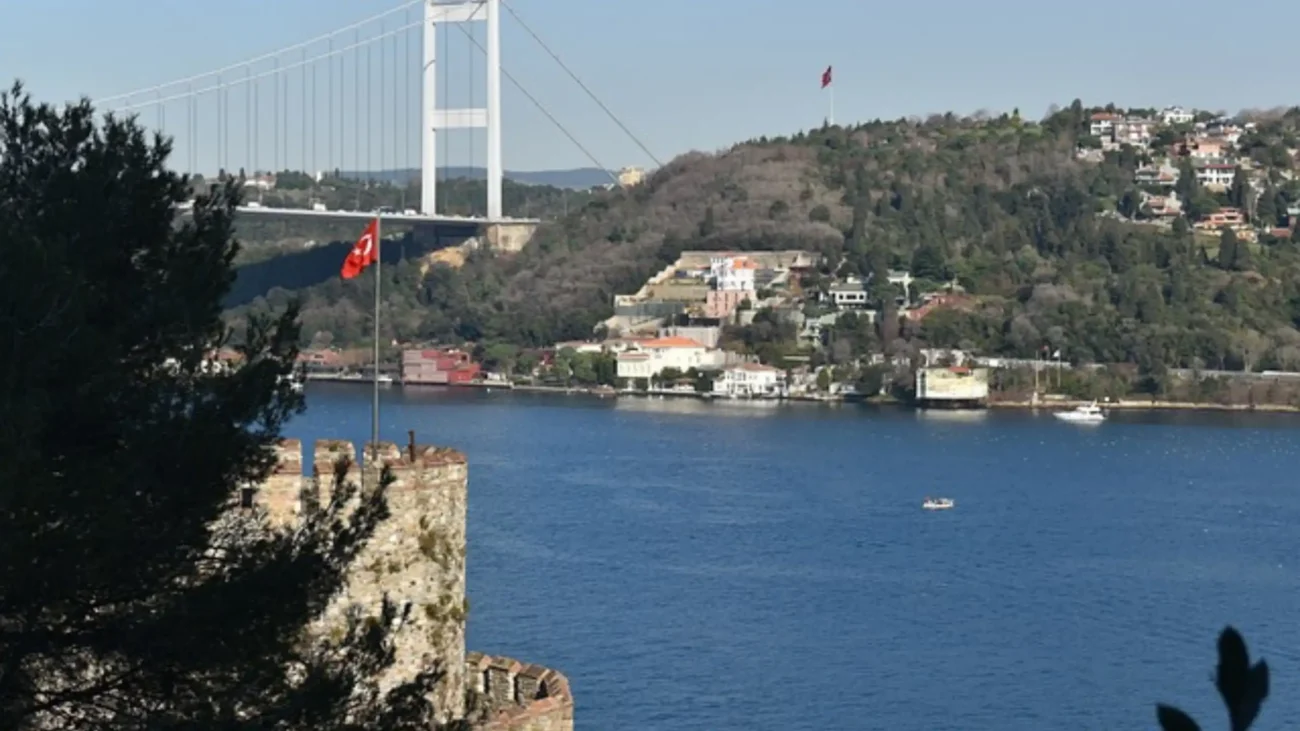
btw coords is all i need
(439, 367)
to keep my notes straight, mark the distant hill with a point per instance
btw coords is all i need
(578, 178)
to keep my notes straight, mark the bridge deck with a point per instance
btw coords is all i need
(367, 215)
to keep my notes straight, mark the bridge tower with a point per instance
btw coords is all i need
(433, 119)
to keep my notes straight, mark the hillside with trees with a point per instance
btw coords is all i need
(1054, 245)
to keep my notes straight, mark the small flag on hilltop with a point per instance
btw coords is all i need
(364, 253)
(826, 84)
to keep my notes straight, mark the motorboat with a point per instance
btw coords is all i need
(1085, 414)
(938, 503)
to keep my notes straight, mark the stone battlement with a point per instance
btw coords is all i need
(514, 696)
(416, 557)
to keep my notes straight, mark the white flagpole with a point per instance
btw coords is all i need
(374, 406)
(831, 87)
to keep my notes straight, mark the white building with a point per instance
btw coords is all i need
(748, 379)
(1176, 115)
(849, 294)
(1102, 124)
(261, 182)
(732, 273)
(1216, 175)
(651, 357)
(1135, 132)
(953, 384)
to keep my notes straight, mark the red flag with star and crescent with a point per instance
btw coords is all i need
(364, 253)
(826, 77)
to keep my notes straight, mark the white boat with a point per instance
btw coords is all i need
(938, 503)
(1085, 414)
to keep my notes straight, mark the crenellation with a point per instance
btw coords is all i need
(416, 558)
(519, 697)
(528, 683)
(501, 681)
(328, 454)
(281, 494)
(288, 457)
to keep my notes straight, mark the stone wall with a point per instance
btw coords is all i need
(417, 557)
(513, 696)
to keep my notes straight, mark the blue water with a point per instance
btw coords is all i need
(755, 566)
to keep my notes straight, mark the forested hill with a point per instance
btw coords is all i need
(1050, 238)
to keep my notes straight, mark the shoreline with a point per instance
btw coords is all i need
(1135, 405)
(995, 404)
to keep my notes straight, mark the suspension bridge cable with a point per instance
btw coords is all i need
(406, 105)
(248, 117)
(315, 109)
(579, 82)
(263, 57)
(342, 110)
(546, 112)
(396, 106)
(443, 138)
(329, 110)
(356, 116)
(257, 127)
(370, 115)
(275, 118)
(221, 128)
(284, 120)
(302, 106)
(265, 74)
(470, 84)
(225, 130)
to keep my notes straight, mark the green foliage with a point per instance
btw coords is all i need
(1243, 687)
(132, 595)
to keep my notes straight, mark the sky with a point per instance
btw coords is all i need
(682, 75)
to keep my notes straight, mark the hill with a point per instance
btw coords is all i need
(574, 179)
(1115, 236)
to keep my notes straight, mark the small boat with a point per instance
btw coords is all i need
(1085, 414)
(938, 503)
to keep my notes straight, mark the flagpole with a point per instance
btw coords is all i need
(374, 405)
(831, 88)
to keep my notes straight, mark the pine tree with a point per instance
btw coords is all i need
(129, 598)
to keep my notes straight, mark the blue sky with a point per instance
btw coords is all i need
(682, 74)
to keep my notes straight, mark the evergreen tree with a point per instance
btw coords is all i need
(131, 596)
(1266, 213)
(1239, 191)
(1229, 250)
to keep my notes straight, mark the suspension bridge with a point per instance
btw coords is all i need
(368, 103)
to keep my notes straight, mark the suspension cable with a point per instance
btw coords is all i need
(579, 82)
(545, 112)
(263, 57)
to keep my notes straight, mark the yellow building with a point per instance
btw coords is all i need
(630, 176)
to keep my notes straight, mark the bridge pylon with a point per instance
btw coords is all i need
(433, 119)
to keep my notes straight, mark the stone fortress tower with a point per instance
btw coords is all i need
(417, 557)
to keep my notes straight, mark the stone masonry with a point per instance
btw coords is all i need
(417, 558)
(512, 696)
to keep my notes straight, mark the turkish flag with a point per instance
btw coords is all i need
(365, 253)
(826, 77)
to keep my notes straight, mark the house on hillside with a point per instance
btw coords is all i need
(748, 380)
